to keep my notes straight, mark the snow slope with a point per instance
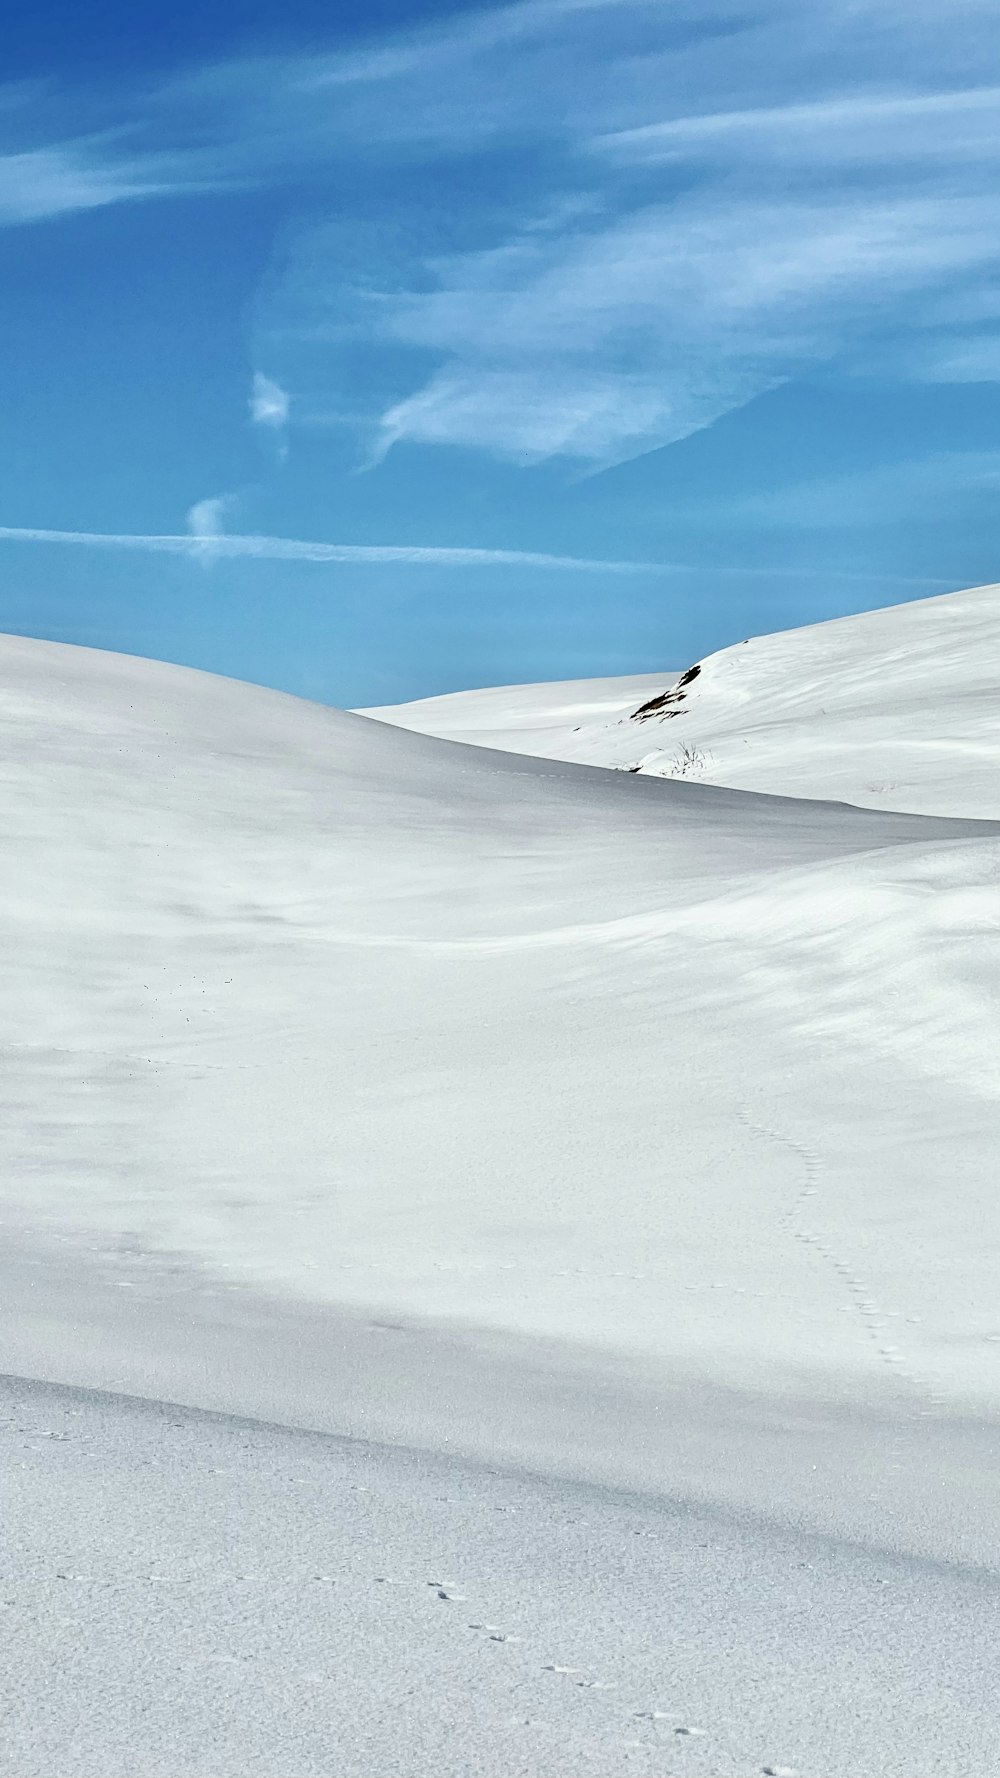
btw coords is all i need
(561, 720)
(255, 1601)
(698, 1078)
(521, 1125)
(894, 709)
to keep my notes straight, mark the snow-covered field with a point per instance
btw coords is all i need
(892, 709)
(568, 719)
(623, 1128)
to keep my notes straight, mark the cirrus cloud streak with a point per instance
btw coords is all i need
(222, 544)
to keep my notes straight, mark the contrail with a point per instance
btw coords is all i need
(293, 549)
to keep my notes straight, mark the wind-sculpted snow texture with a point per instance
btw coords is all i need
(892, 709)
(589, 1121)
(378, 1020)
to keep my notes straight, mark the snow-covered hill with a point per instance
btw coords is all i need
(896, 709)
(365, 1018)
(566, 719)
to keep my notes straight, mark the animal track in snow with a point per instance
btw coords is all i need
(861, 1302)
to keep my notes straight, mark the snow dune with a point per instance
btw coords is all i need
(598, 1125)
(370, 1019)
(891, 709)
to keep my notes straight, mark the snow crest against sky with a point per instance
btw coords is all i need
(455, 295)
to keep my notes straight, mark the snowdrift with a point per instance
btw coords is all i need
(356, 1016)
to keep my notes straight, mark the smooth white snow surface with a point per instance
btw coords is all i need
(562, 720)
(894, 709)
(199, 1596)
(600, 1125)
(376, 1020)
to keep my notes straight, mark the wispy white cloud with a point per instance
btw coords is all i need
(292, 549)
(602, 66)
(598, 416)
(204, 518)
(269, 410)
(719, 199)
(269, 402)
(722, 202)
(600, 343)
(54, 181)
(205, 525)
(886, 127)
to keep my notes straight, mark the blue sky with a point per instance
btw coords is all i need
(372, 352)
